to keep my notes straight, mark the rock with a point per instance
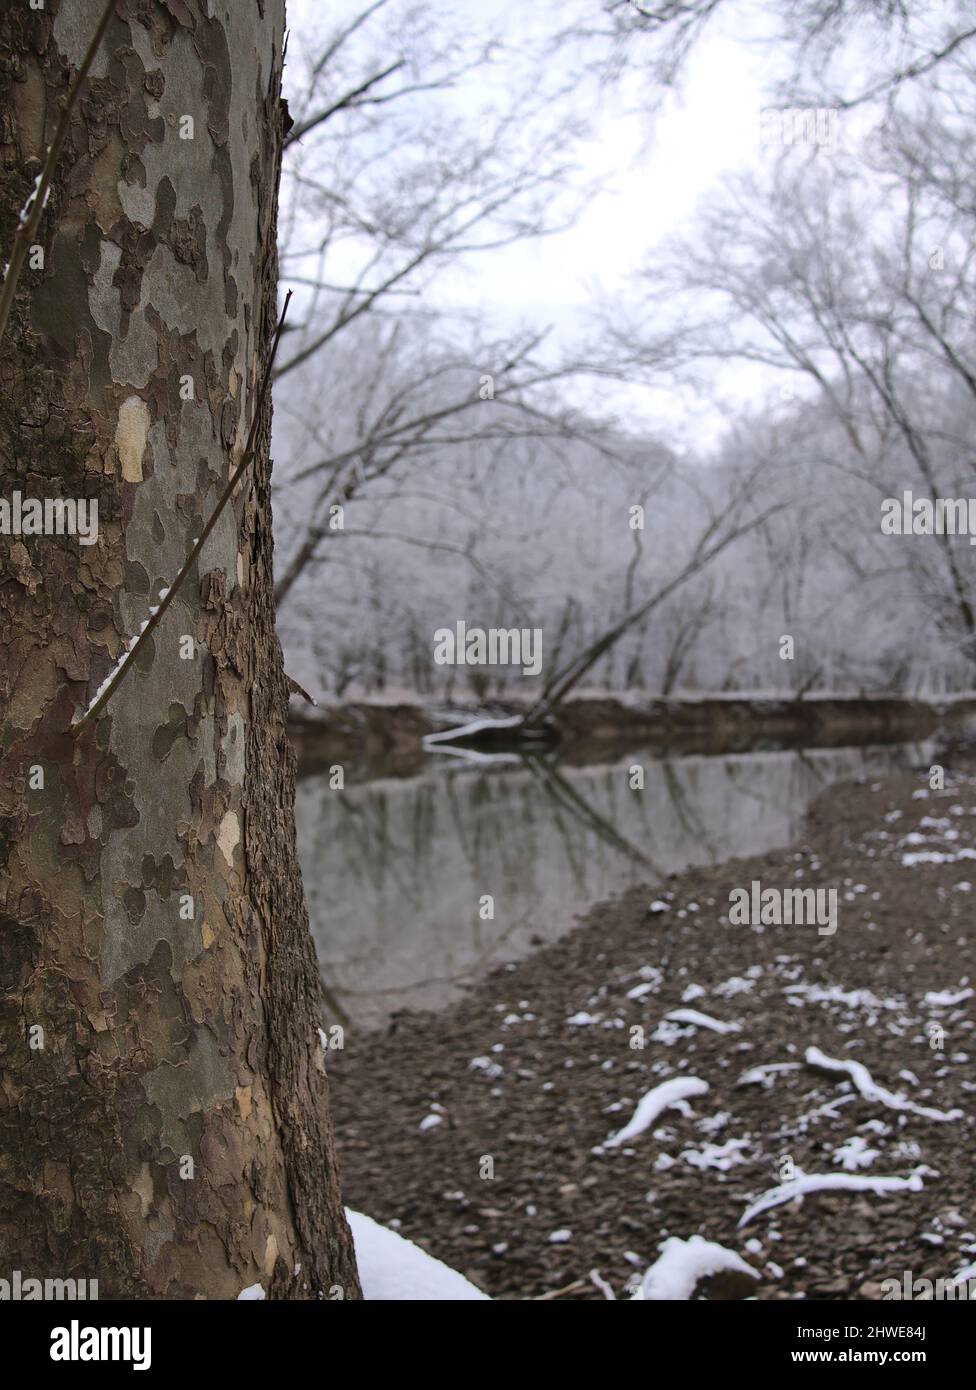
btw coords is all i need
(726, 1285)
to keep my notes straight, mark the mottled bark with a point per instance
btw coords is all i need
(167, 1131)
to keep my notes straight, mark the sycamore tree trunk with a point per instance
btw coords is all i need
(164, 1120)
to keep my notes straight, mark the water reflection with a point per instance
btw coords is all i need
(395, 869)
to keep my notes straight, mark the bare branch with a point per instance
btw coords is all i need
(31, 216)
(112, 684)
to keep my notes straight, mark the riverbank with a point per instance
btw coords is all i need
(481, 1132)
(387, 737)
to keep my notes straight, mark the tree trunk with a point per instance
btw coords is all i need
(164, 1120)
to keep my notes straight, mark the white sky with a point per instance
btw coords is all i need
(656, 169)
(659, 168)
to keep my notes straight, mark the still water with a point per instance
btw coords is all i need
(395, 869)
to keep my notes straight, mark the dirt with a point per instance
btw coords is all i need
(518, 1156)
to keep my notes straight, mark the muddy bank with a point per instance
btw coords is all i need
(482, 1131)
(377, 740)
(387, 738)
(712, 725)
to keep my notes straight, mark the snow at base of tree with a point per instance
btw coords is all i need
(682, 1265)
(391, 1267)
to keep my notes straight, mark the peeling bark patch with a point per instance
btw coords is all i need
(18, 950)
(60, 309)
(229, 836)
(135, 904)
(167, 734)
(189, 241)
(155, 83)
(131, 437)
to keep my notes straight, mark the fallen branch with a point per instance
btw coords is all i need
(577, 1286)
(113, 682)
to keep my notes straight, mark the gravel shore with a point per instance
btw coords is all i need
(480, 1132)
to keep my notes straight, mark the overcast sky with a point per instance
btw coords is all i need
(656, 168)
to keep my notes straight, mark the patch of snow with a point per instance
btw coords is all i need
(491, 1069)
(682, 1264)
(28, 208)
(855, 1153)
(667, 1033)
(945, 999)
(934, 856)
(736, 985)
(719, 1156)
(697, 1020)
(870, 1090)
(805, 1183)
(653, 1103)
(475, 727)
(764, 1075)
(393, 1268)
(850, 999)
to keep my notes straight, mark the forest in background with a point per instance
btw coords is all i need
(430, 468)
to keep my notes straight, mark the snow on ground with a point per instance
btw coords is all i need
(947, 999)
(721, 1157)
(848, 999)
(697, 1020)
(391, 1267)
(855, 1153)
(682, 1264)
(934, 856)
(869, 1088)
(650, 1106)
(477, 726)
(765, 1074)
(805, 1183)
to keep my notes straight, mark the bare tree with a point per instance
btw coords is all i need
(866, 295)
